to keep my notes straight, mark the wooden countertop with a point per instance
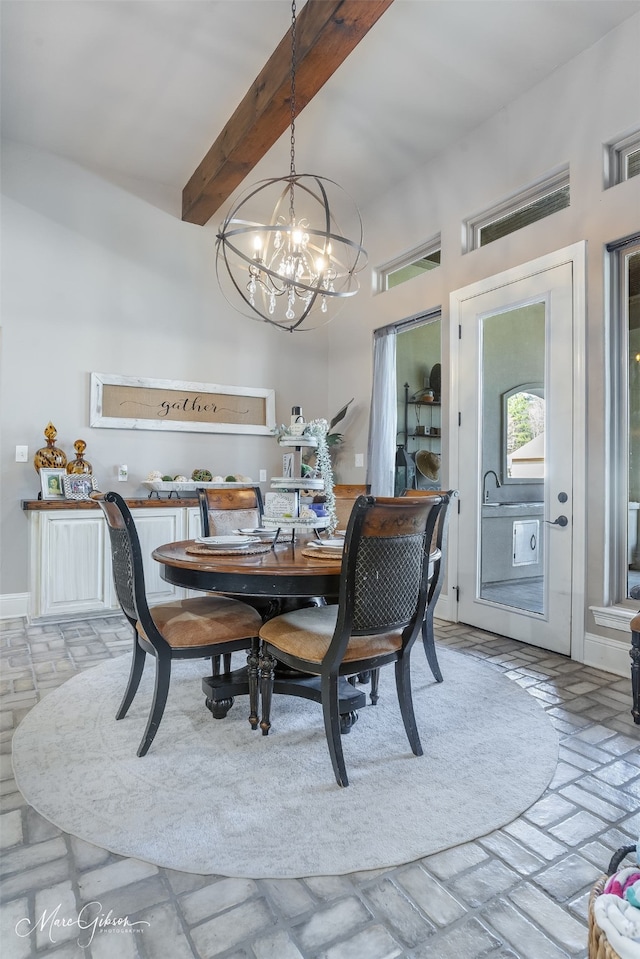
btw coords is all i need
(145, 503)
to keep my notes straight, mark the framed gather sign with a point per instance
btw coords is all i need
(134, 403)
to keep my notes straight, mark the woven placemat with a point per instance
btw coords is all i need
(233, 551)
(321, 555)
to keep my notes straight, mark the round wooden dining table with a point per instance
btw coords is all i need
(284, 572)
(279, 571)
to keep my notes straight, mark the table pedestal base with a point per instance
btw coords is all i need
(221, 690)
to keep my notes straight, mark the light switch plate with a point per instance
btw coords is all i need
(22, 454)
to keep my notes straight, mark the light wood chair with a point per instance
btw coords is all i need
(380, 611)
(346, 494)
(207, 626)
(224, 510)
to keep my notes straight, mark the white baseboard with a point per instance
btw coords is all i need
(14, 605)
(608, 654)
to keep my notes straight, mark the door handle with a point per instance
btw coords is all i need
(560, 521)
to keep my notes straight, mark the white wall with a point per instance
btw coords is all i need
(96, 279)
(584, 104)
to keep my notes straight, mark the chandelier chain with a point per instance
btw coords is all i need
(292, 103)
(285, 266)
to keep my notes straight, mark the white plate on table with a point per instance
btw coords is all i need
(261, 532)
(334, 544)
(226, 542)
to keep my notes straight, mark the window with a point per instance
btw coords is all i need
(622, 159)
(523, 412)
(409, 265)
(624, 364)
(630, 302)
(535, 203)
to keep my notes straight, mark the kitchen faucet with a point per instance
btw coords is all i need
(485, 491)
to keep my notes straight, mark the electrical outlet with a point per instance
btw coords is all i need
(22, 454)
(123, 473)
(263, 476)
(359, 459)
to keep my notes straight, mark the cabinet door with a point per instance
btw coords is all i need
(71, 571)
(194, 523)
(155, 527)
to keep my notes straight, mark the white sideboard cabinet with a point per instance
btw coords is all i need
(70, 554)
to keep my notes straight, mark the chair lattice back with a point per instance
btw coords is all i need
(387, 581)
(386, 562)
(122, 566)
(126, 559)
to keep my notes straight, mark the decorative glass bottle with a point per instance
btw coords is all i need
(49, 457)
(79, 464)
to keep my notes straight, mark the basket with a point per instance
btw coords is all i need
(599, 946)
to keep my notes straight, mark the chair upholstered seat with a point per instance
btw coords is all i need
(203, 621)
(307, 633)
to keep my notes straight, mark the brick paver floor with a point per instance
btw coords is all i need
(520, 892)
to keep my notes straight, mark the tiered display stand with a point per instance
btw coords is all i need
(296, 484)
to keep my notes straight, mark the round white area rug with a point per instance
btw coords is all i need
(214, 797)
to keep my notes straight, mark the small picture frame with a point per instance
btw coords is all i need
(287, 465)
(52, 483)
(78, 485)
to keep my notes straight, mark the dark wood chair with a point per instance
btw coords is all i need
(439, 544)
(207, 626)
(380, 610)
(223, 511)
(634, 652)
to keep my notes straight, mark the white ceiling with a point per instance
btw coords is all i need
(141, 88)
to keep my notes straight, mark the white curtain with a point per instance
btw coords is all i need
(383, 422)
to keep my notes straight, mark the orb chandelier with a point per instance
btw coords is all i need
(292, 266)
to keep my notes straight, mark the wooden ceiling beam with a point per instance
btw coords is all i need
(326, 33)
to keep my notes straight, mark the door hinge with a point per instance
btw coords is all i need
(459, 419)
(459, 331)
(458, 507)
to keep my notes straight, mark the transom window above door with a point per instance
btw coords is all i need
(408, 266)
